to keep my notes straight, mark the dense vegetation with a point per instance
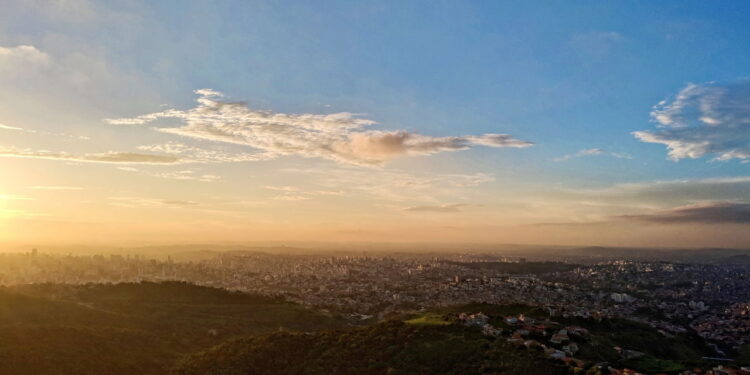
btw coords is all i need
(131, 328)
(146, 328)
(662, 353)
(387, 348)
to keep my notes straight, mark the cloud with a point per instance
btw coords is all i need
(705, 213)
(107, 157)
(12, 197)
(291, 193)
(29, 131)
(150, 202)
(442, 208)
(709, 119)
(340, 137)
(201, 155)
(185, 175)
(46, 187)
(394, 185)
(8, 127)
(593, 152)
(22, 57)
(671, 192)
(286, 189)
(292, 197)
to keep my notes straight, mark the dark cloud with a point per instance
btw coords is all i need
(705, 213)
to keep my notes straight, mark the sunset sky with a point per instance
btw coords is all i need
(565, 122)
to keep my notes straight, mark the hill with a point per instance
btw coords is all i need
(131, 328)
(393, 347)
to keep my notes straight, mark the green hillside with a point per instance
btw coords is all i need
(387, 348)
(131, 328)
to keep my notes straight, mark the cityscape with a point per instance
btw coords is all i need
(709, 300)
(374, 187)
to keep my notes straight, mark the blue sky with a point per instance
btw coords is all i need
(576, 79)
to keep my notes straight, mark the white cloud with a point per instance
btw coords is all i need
(340, 137)
(593, 152)
(8, 127)
(708, 119)
(22, 58)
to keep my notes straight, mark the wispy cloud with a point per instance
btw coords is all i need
(202, 155)
(30, 131)
(22, 57)
(457, 207)
(107, 157)
(394, 185)
(150, 202)
(8, 127)
(13, 197)
(340, 137)
(185, 175)
(707, 119)
(669, 191)
(593, 152)
(292, 193)
(705, 213)
(292, 197)
(53, 187)
(282, 188)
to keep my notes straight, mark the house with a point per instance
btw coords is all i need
(477, 319)
(579, 331)
(560, 337)
(571, 348)
(522, 332)
(526, 319)
(489, 330)
(532, 344)
(628, 354)
(554, 353)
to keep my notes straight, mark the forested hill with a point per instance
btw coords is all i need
(394, 348)
(131, 328)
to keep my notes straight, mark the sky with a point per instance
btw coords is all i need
(518, 122)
